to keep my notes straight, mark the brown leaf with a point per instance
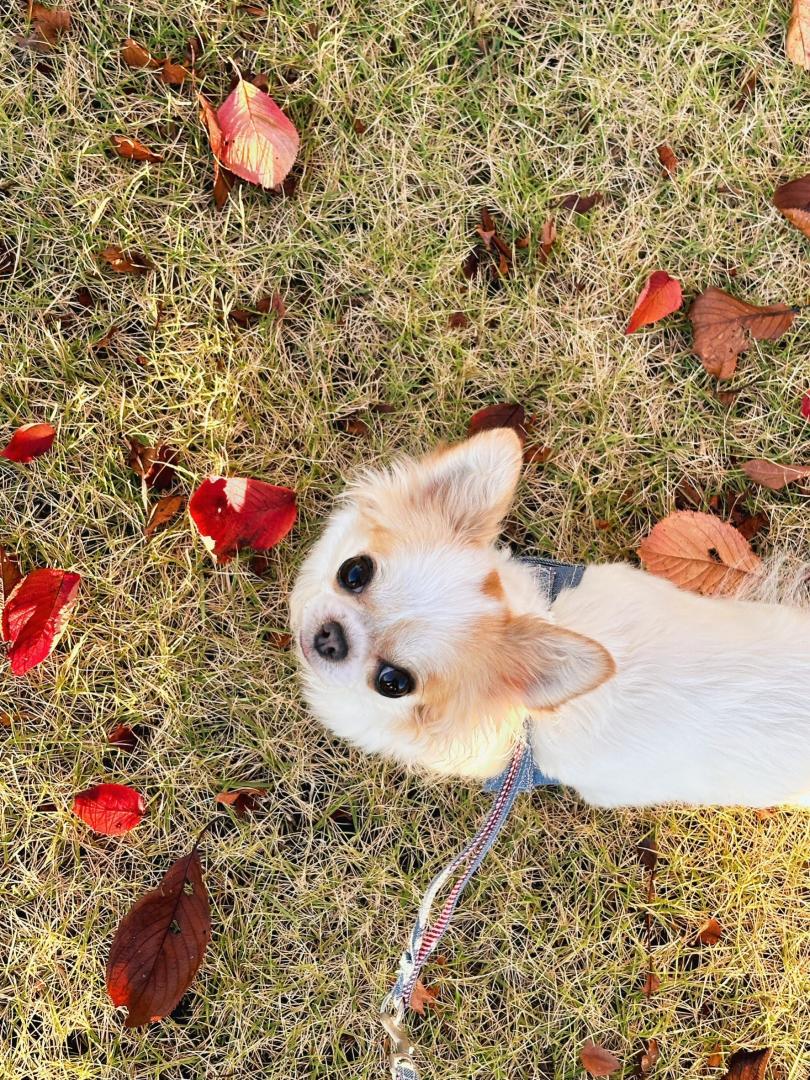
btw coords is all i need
(277, 639)
(710, 932)
(174, 74)
(715, 1058)
(772, 475)
(765, 813)
(133, 149)
(353, 424)
(154, 464)
(797, 41)
(503, 414)
(747, 88)
(597, 1061)
(123, 737)
(648, 852)
(358, 126)
(422, 997)
(244, 800)
(666, 156)
(165, 510)
(548, 238)
(751, 525)
(652, 984)
(580, 204)
(724, 325)
(458, 321)
(136, 56)
(699, 552)
(48, 22)
(728, 398)
(793, 201)
(536, 454)
(748, 1065)
(246, 317)
(471, 266)
(126, 262)
(649, 1057)
(159, 945)
(10, 573)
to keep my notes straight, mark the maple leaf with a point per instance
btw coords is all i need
(422, 997)
(724, 325)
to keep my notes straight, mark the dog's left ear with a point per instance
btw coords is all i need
(548, 665)
(472, 483)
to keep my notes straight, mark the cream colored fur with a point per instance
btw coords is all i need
(638, 693)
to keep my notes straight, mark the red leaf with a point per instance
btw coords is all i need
(259, 143)
(123, 737)
(29, 441)
(660, 296)
(111, 809)
(233, 512)
(160, 943)
(806, 406)
(710, 932)
(35, 616)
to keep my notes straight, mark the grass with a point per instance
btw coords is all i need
(513, 105)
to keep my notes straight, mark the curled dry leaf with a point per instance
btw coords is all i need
(246, 317)
(353, 424)
(10, 573)
(649, 1057)
(133, 149)
(580, 204)
(29, 442)
(154, 464)
(699, 552)
(422, 997)
(648, 852)
(135, 55)
(123, 737)
(259, 144)
(774, 476)
(35, 616)
(160, 943)
(797, 41)
(793, 201)
(223, 178)
(651, 984)
(244, 800)
(710, 932)
(111, 809)
(660, 296)
(748, 1065)
(548, 238)
(724, 325)
(48, 22)
(232, 512)
(165, 510)
(500, 415)
(666, 156)
(597, 1061)
(173, 74)
(126, 262)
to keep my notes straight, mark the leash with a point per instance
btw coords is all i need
(521, 774)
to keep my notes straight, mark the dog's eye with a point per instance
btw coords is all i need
(393, 682)
(356, 573)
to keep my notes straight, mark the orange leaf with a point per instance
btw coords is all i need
(652, 984)
(133, 149)
(597, 1061)
(666, 156)
(548, 237)
(49, 23)
(793, 201)
(797, 42)
(772, 475)
(136, 56)
(748, 1065)
(259, 143)
(164, 511)
(699, 552)
(126, 262)
(723, 326)
(422, 997)
(223, 178)
(244, 800)
(649, 1057)
(174, 74)
(710, 932)
(660, 296)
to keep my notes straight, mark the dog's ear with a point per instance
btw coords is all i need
(548, 665)
(472, 483)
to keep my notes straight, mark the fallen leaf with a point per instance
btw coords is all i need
(49, 23)
(597, 1061)
(111, 809)
(35, 616)
(126, 262)
(746, 89)
(164, 511)
(649, 1057)
(246, 317)
(422, 997)
(224, 180)
(29, 442)
(710, 932)
(715, 1058)
(359, 127)
(104, 341)
(772, 475)
(123, 737)
(648, 852)
(792, 200)
(154, 464)
(797, 41)
(699, 552)
(660, 296)
(133, 149)
(651, 985)
(666, 156)
(751, 525)
(136, 56)
(727, 398)
(244, 800)
(548, 238)
(765, 813)
(723, 326)
(580, 204)
(748, 1065)
(232, 512)
(174, 74)
(280, 640)
(471, 266)
(458, 321)
(353, 424)
(10, 573)
(259, 144)
(160, 943)
(501, 415)
(536, 454)
(805, 409)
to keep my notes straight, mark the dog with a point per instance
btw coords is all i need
(422, 640)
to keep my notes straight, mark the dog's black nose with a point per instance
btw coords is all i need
(330, 642)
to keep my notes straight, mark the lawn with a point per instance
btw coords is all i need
(412, 117)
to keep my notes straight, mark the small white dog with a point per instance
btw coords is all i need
(423, 641)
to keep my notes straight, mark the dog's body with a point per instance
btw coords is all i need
(422, 641)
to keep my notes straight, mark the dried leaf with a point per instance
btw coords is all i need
(353, 424)
(504, 414)
(597, 1061)
(548, 238)
(715, 1059)
(710, 932)
(174, 74)
(422, 997)
(651, 985)
(136, 56)
(649, 1057)
(105, 339)
(277, 639)
(165, 510)
(797, 41)
(246, 317)
(772, 475)
(35, 616)
(747, 89)
(49, 23)
(536, 454)
(666, 156)
(471, 266)
(699, 552)
(660, 296)
(29, 442)
(580, 204)
(723, 326)
(224, 180)
(232, 513)
(126, 262)
(458, 321)
(751, 525)
(728, 398)
(123, 737)
(792, 200)
(648, 852)
(133, 149)
(10, 574)
(110, 809)
(244, 800)
(153, 464)
(160, 943)
(259, 143)
(748, 1065)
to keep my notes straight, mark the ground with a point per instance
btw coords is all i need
(412, 117)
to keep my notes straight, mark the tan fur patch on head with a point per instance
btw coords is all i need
(492, 586)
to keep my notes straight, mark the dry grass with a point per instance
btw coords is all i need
(310, 905)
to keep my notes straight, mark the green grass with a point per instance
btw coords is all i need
(310, 911)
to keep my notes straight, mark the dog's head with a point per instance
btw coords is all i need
(418, 638)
